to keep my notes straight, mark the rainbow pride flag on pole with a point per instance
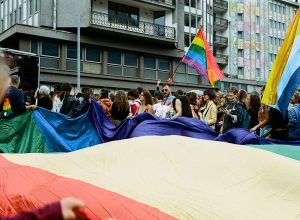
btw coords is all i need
(285, 74)
(200, 57)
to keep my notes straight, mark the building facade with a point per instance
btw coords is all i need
(124, 44)
(127, 44)
(257, 30)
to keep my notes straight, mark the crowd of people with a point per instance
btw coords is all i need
(236, 109)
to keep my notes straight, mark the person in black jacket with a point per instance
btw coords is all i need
(44, 100)
(84, 104)
(69, 101)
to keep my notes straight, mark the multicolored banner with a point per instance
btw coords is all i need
(285, 74)
(171, 177)
(200, 57)
(42, 131)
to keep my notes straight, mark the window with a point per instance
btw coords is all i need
(34, 46)
(35, 5)
(130, 59)
(240, 71)
(163, 64)
(271, 6)
(240, 53)
(257, 55)
(114, 57)
(72, 51)
(257, 20)
(257, 37)
(50, 48)
(240, 16)
(149, 62)
(159, 17)
(20, 14)
(257, 3)
(240, 35)
(123, 14)
(30, 7)
(257, 74)
(92, 54)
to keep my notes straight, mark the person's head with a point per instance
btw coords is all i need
(112, 96)
(254, 102)
(166, 90)
(295, 98)
(139, 89)
(65, 90)
(209, 95)
(121, 101)
(15, 81)
(133, 94)
(104, 93)
(146, 97)
(86, 93)
(185, 106)
(232, 94)
(44, 91)
(4, 78)
(158, 95)
(243, 97)
(178, 93)
(192, 96)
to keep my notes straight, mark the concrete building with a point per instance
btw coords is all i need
(256, 29)
(125, 44)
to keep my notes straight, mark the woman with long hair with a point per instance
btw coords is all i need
(147, 102)
(209, 111)
(182, 107)
(120, 108)
(192, 97)
(254, 105)
(243, 98)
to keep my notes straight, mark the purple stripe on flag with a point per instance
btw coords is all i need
(198, 67)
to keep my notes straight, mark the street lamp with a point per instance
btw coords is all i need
(78, 46)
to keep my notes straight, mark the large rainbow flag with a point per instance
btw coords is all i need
(285, 74)
(200, 57)
(41, 131)
(171, 177)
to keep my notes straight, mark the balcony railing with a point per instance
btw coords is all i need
(131, 25)
(220, 41)
(221, 22)
(221, 5)
(167, 2)
(221, 59)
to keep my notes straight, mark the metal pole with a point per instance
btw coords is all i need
(78, 46)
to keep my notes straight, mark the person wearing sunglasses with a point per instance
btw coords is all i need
(168, 98)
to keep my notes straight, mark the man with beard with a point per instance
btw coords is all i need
(168, 98)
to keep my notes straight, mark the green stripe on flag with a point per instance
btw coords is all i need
(198, 49)
(20, 134)
(284, 150)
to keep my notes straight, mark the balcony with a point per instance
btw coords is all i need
(166, 3)
(220, 24)
(220, 6)
(221, 59)
(114, 23)
(220, 42)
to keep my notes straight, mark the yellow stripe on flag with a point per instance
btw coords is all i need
(198, 41)
(270, 94)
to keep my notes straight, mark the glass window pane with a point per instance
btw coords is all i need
(34, 46)
(93, 54)
(72, 51)
(50, 48)
(114, 57)
(149, 62)
(130, 59)
(181, 68)
(163, 64)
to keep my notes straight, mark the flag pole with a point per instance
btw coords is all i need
(174, 72)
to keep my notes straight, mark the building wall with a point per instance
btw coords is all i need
(263, 26)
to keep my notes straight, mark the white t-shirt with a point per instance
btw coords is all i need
(57, 104)
(161, 110)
